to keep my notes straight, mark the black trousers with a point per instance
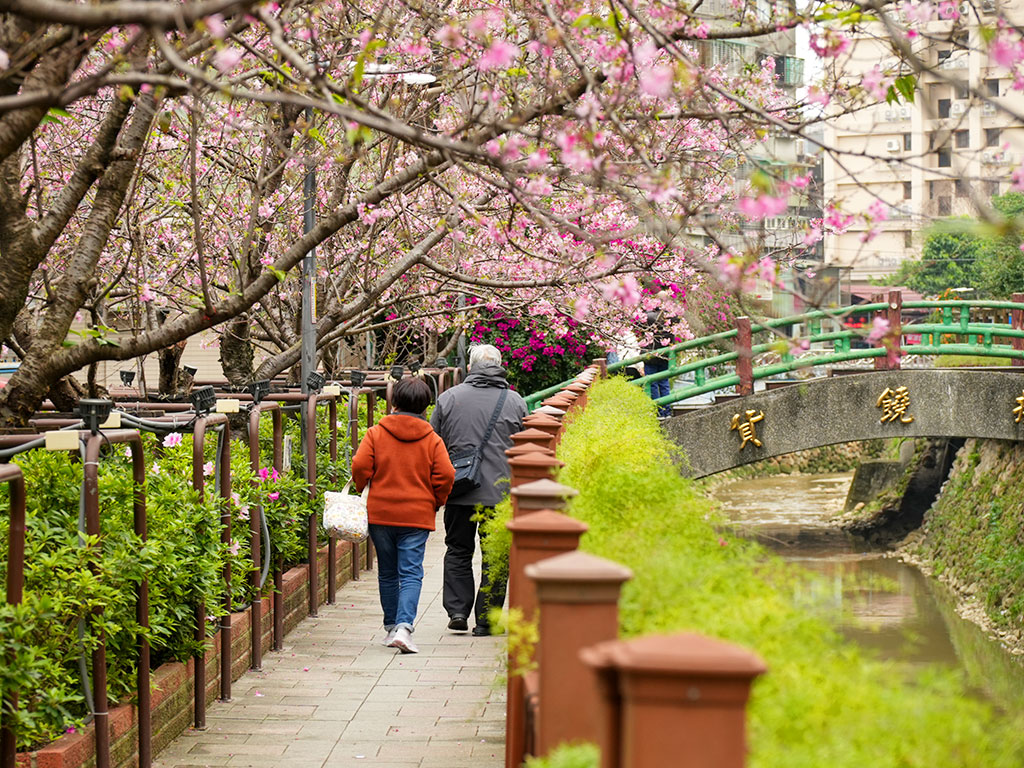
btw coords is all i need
(460, 533)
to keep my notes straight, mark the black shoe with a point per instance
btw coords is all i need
(458, 624)
(481, 631)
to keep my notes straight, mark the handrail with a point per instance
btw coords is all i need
(954, 320)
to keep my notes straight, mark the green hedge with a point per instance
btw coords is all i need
(824, 702)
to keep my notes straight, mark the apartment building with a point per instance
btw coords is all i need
(943, 155)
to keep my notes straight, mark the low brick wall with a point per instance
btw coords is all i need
(172, 701)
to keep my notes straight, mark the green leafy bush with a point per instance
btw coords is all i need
(823, 701)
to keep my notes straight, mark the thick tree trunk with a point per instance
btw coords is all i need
(168, 359)
(236, 354)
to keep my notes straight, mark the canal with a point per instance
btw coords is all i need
(876, 601)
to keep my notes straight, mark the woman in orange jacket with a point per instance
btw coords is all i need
(410, 476)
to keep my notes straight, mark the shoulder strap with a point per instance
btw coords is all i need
(494, 419)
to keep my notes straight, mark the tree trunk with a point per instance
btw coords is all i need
(168, 358)
(236, 354)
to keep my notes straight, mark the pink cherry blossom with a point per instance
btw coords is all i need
(226, 59)
(147, 293)
(657, 81)
(879, 328)
(215, 26)
(762, 206)
(501, 54)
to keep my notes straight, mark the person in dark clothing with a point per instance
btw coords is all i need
(461, 417)
(662, 337)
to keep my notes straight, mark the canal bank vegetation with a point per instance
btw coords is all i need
(973, 537)
(823, 702)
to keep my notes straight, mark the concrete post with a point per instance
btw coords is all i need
(535, 536)
(540, 494)
(578, 597)
(682, 699)
(528, 467)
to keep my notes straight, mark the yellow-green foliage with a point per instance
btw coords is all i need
(823, 703)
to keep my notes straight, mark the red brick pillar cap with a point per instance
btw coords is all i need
(577, 577)
(540, 420)
(548, 525)
(562, 400)
(521, 449)
(577, 387)
(535, 459)
(542, 494)
(550, 410)
(686, 653)
(530, 435)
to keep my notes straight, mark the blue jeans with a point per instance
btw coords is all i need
(661, 387)
(399, 572)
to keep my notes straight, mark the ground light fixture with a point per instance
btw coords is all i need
(315, 381)
(357, 378)
(397, 371)
(127, 377)
(258, 390)
(414, 367)
(441, 363)
(204, 399)
(94, 412)
(191, 370)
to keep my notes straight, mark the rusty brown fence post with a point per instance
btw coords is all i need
(744, 357)
(256, 522)
(11, 475)
(676, 700)
(309, 414)
(535, 536)
(574, 591)
(1017, 322)
(528, 467)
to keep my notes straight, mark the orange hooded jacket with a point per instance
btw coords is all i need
(408, 469)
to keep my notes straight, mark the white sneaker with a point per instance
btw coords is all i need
(389, 637)
(403, 641)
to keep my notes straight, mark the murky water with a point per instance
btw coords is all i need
(876, 601)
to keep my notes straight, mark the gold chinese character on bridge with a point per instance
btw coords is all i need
(894, 404)
(747, 430)
(1018, 412)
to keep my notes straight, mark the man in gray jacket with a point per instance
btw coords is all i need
(461, 417)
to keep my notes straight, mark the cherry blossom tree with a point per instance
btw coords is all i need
(576, 159)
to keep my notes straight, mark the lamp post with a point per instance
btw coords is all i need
(308, 355)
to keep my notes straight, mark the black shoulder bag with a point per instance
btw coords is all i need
(467, 463)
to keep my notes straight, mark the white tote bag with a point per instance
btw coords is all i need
(345, 514)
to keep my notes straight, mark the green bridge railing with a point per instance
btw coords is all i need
(703, 357)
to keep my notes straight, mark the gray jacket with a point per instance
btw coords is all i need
(461, 417)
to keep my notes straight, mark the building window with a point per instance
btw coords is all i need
(943, 55)
(960, 91)
(931, 190)
(908, 190)
(906, 142)
(943, 107)
(945, 158)
(992, 86)
(960, 185)
(991, 188)
(945, 206)
(991, 137)
(908, 239)
(963, 139)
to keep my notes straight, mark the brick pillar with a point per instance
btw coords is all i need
(535, 536)
(528, 467)
(544, 423)
(579, 389)
(578, 599)
(521, 449)
(540, 494)
(534, 436)
(681, 700)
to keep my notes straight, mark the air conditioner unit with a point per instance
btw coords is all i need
(889, 115)
(965, 10)
(988, 108)
(892, 145)
(957, 108)
(988, 6)
(799, 146)
(1006, 158)
(988, 157)
(904, 113)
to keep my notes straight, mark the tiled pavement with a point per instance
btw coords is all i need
(336, 698)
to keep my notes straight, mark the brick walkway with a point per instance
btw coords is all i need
(335, 697)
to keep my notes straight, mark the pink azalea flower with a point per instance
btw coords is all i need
(235, 547)
(273, 495)
(208, 468)
(263, 474)
(500, 55)
(172, 440)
